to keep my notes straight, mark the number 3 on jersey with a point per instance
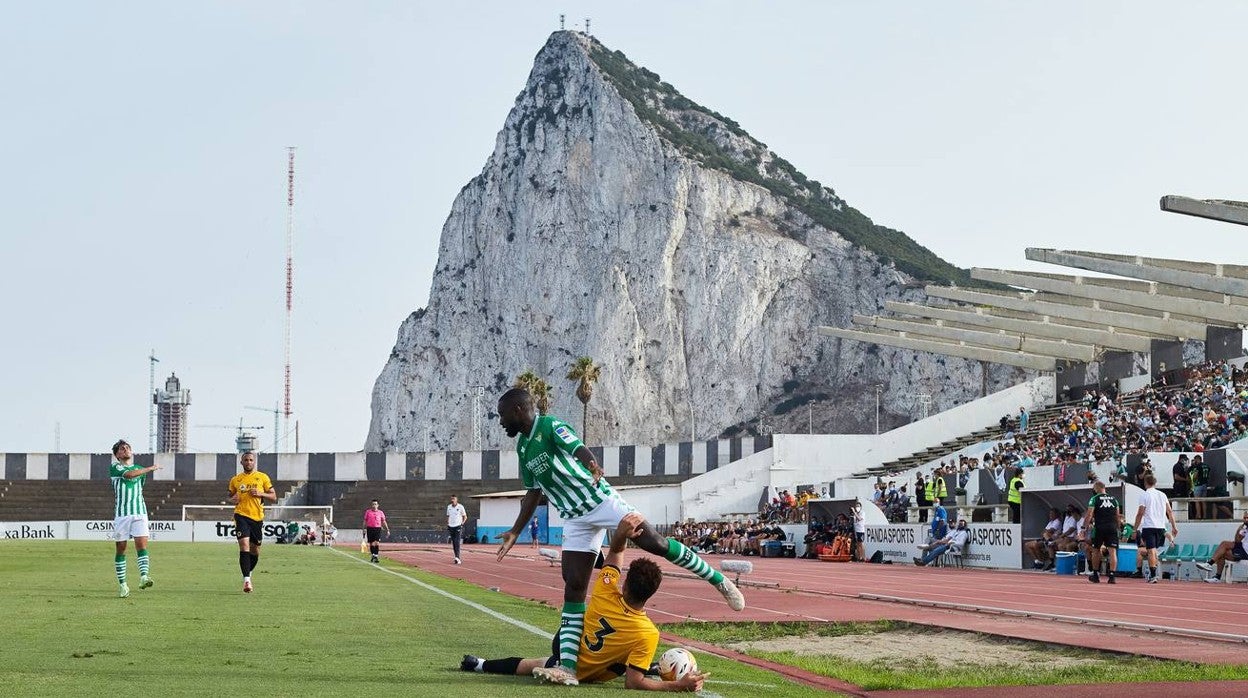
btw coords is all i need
(600, 636)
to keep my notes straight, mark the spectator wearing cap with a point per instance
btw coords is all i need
(955, 539)
(1182, 483)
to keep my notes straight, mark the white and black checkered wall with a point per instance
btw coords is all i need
(683, 458)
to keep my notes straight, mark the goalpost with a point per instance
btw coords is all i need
(315, 521)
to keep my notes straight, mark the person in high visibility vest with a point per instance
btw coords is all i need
(940, 489)
(1015, 496)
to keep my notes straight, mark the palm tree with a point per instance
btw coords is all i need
(587, 373)
(540, 390)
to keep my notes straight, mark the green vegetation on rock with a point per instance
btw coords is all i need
(720, 143)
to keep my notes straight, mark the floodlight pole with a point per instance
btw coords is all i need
(878, 389)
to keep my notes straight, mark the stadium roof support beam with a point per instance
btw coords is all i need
(1009, 358)
(1177, 272)
(1153, 300)
(995, 340)
(1168, 327)
(1041, 326)
(1213, 209)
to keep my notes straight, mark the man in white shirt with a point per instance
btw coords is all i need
(1039, 549)
(1069, 540)
(1236, 550)
(455, 518)
(956, 540)
(1150, 521)
(860, 533)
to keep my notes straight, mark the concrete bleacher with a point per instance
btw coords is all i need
(1037, 419)
(58, 500)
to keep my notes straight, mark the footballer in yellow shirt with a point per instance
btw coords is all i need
(619, 638)
(248, 492)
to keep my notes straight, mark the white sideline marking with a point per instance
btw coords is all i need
(508, 619)
(486, 610)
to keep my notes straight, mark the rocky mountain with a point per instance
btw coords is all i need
(619, 220)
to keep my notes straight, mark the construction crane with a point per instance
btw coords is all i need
(244, 441)
(277, 414)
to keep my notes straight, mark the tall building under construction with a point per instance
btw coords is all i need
(172, 405)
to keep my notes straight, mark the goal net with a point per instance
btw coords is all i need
(315, 516)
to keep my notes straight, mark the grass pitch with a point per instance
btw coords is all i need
(319, 624)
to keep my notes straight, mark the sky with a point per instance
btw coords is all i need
(142, 192)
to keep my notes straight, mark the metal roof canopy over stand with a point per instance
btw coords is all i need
(1064, 323)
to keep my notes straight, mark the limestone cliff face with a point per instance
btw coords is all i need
(615, 219)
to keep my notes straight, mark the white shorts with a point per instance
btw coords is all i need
(585, 533)
(127, 527)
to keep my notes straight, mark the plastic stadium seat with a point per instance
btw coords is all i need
(1187, 554)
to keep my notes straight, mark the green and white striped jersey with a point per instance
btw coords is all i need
(127, 491)
(546, 462)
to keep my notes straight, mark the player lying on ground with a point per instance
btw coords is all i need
(554, 462)
(620, 640)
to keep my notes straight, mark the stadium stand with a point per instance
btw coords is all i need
(1198, 407)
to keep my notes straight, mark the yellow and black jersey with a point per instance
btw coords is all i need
(616, 636)
(247, 485)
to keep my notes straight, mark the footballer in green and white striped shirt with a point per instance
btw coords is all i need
(554, 462)
(129, 513)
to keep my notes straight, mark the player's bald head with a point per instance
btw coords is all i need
(516, 397)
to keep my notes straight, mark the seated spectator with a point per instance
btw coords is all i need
(1068, 540)
(1228, 550)
(898, 509)
(307, 536)
(754, 538)
(738, 538)
(955, 539)
(727, 540)
(710, 536)
(1041, 549)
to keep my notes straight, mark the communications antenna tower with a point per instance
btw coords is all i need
(290, 277)
(478, 396)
